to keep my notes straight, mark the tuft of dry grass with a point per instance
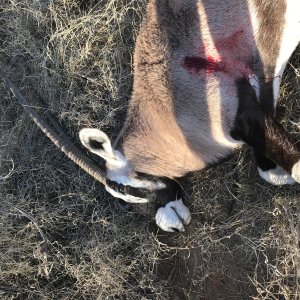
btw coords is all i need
(63, 237)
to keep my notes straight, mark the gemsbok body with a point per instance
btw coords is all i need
(206, 81)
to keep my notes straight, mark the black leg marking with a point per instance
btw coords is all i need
(264, 163)
(262, 132)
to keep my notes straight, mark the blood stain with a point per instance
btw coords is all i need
(231, 56)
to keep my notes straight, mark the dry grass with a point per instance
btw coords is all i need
(63, 237)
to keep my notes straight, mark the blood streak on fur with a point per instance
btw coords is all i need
(231, 56)
(196, 64)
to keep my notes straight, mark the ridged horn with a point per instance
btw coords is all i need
(67, 147)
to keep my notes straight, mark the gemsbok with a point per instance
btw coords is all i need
(206, 81)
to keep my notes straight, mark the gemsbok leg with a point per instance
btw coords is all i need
(267, 137)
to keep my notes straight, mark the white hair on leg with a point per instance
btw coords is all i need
(277, 176)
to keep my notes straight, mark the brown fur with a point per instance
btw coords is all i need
(177, 122)
(271, 15)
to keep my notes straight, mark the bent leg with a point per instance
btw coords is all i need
(265, 135)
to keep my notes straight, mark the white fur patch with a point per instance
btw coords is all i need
(126, 198)
(173, 216)
(123, 174)
(118, 168)
(296, 171)
(277, 176)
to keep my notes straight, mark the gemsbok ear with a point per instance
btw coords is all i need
(98, 143)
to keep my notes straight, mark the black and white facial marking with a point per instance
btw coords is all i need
(133, 187)
(122, 181)
(155, 189)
